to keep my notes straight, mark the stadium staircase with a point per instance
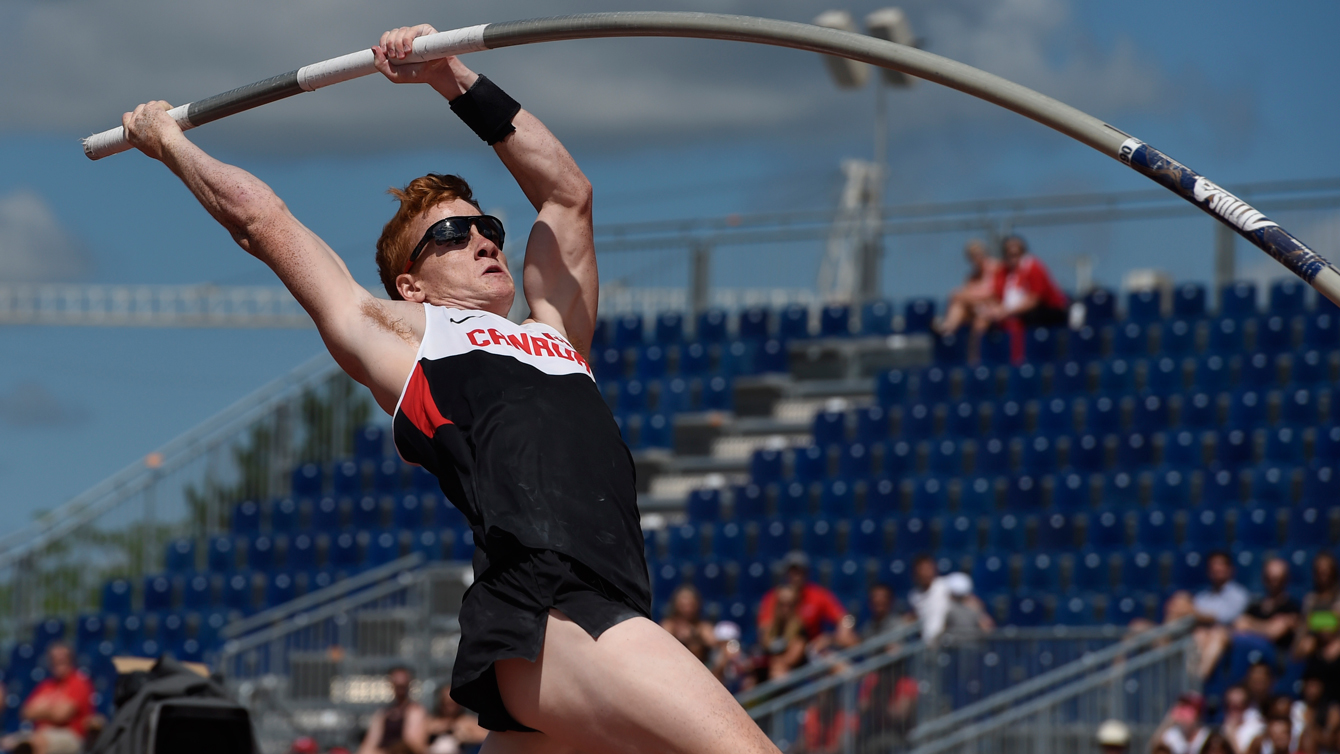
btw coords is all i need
(1078, 488)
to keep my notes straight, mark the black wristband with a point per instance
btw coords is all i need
(487, 110)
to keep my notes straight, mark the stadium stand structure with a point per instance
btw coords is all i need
(1089, 481)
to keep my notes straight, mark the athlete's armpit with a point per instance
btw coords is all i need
(385, 318)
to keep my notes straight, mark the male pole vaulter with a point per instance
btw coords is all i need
(557, 651)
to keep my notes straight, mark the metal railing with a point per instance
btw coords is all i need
(912, 696)
(187, 488)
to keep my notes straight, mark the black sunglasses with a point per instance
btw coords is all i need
(451, 230)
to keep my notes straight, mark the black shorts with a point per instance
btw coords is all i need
(1045, 316)
(504, 613)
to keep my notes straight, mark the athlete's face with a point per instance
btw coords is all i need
(472, 274)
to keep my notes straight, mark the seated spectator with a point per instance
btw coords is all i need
(685, 622)
(966, 618)
(977, 291)
(1217, 743)
(783, 635)
(1318, 711)
(59, 708)
(1215, 609)
(730, 663)
(1276, 739)
(882, 620)
(400, 722)
(1259, 684)
(1319, 634)
(1113, 737)
(1182, 730)
(1242, 723)
(1274, 615)
(452, 729)
(825, 620)
(1026, 297)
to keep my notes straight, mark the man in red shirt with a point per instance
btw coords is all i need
(60, 706)
(1026, 297)
(820, 610)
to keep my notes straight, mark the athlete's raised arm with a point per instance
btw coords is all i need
(560, 280)
(375, 341)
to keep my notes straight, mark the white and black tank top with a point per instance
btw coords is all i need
(510, 421)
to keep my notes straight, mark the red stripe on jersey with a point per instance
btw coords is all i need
(418, 406)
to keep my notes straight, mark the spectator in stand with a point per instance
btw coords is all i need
(1182, 730)
(402, 721)
(879, 601)
(966, 618)
(1273, 616)
(783, 635)
(1258, 683)
(304, 745)
(977, 292)
(730, 663)
(825, 620)
(1217, 743)
(453, 729)
(1026, 297)
(59, 708)
(685, 622)
(924, 574)
(888, 703)
(1276, 739)
(1318, 711)
(1242, 722)
(1215, 610)
(1113, 737)
(935, 598)
(1319, 636)
(825, 724)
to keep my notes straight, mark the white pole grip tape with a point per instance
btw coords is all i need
(356, 64)
(113, 140)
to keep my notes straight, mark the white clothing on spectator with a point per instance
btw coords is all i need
(1225, 605)
(1178, 743)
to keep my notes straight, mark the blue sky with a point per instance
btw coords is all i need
(664, 128)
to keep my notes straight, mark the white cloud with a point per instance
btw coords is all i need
(33, 245)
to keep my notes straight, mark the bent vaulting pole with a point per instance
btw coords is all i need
(1178, 178)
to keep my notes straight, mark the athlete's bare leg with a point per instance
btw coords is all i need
(637, 689)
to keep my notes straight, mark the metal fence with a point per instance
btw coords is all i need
(57, 566)
(922, 697)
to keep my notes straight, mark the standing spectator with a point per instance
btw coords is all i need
(977, 291)
(825, 620)
(1273, 616)
(933, 600)
(924, 574)
(452, 729)
(783, 635)
(882, 619)
(730, 663)
(1027, 297)
(826, 723)
(59, 708)
(1113, 737)
(1182, 731)
(1215, 609)
(966, 617)
(403, 721)
(685, 622)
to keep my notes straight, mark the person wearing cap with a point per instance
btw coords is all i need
(731, 664)
(1113, 737)
(1182, 730)
(304, 745)
(965, 616)
(819, 610)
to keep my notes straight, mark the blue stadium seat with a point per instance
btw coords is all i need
(346, 478)
(755, 579)
(383, 547)
(633, 396)
(1177, 338)
(996, 349)
(1150, 414)
(280, 588)
(1226, 337)
(1274, 335)
(670, 326)
(979, 384)
(238, 594)
(962, 420)
(1257, 372)
(158, 593)
(1234, 448)
(1039, 455)
(285, 515)
(849, 580)
(1056, 533)
(1071, 493)
(1144, 306)
(343, 552)
(1123, 607)
(945, 457)
(1211, 374)
(918, 314)
(1310, 368)
(1130, 340)
(750, 502)
(1171, 489)
(684, 542)
(891, 387)
(867, 538)
(1287, 297)
(427, 543)
(1321, 331)
(1103, 416)
(1008, 418)
(1070, 378)
(1221, 488)
(1237, 300)
(914, 534)
(1092, 572)
(1024, 382)
(1040, 345)
(1284, 445)
(1100, 306)
(369, 443)
(1121, 489)
(918, 422)
(794, 323)
(1024, 493)
(810, 464)
(930, 495)
(1272, 484)
(628, 331)
(1327, 448)
(717, 394)
(877, 318)
(1134, 451)
(367, 513)
(1075, 610)
(130, 631)
(1085, 344)
(710, 580)
(1087, 453)
(197, 593)
(993, 457)
(222, 555)
(180, 556)
(899, 457)
(1055, 416)
(711, 326)
(1007, 533)
(728, 541)
(933, 385)
(1142, 568)
(1321, 484)
(1189, 300)
(872, 424)
(1200, 410)
(774, 539)
(771, 358)
(835, 321)
(737, 358)
(1205, 529)
(1165, 376)
(1116, 377)
(977, 495)
(830, 428)
(443, 514)
(856, 462)
(409, 512)
(1257, 527)
(90, 630)
(1107, 530)
(949, 349)
(246, 517)
(463, 547)
(674, 397)
(991, 574)
(307, 480)
(958, 534)
(1042, 573)
(1298, 408)
(704, 504)
(260, 554)
(666, 578)
(838, 499)
(1188, 571)
(651, 363)
(694, 360)
(1154, 530)
(1310, 526)
(819, 538)
(1026, 611)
